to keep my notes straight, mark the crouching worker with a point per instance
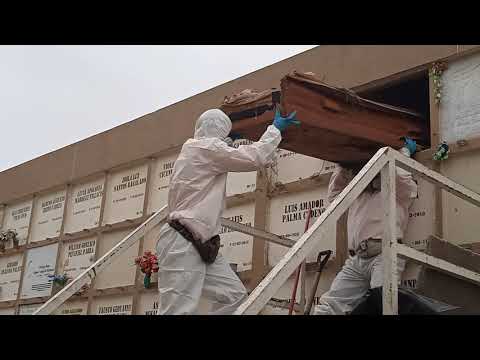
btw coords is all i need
(189, 264)
(363, 270)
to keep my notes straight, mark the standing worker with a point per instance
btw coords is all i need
(364, 270)
(187, 250)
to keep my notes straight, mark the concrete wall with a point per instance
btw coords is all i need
(347, 66)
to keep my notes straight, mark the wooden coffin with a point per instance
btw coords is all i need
(251, 111)
(337, 125)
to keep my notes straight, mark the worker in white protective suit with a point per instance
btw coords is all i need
(364, 269)
(189, 264)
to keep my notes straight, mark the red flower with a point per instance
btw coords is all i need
(147, 263)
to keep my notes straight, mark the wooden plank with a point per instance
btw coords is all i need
(438, 264)
(341, 253)
(42, 243)
(438, 226)
(456, 148)
(284, 304)
(435, 178)
(24, 259)
(257, 233)
(310, 183)
(62, 227)
(91, 290)
(120, 290)
(259, 258)
(442, 286)
(434, 117)
(138, 273)
(389, 240)
(2, 214)
(240, 199)
(434, 142)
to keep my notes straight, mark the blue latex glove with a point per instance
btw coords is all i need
(411, 145)
(281, 123)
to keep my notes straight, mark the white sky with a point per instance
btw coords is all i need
(52, 96)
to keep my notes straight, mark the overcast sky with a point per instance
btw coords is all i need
(52, 96)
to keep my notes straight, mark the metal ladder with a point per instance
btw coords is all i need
(384, 161)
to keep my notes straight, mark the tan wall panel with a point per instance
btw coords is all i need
(112, 305)
(151, 238)
(343, 65)
(17, 217)
(421, 220)
(148, 304)
(48, 216)
(39, 265)
(162, 171)
(237, 248)
(125, 194)
(241, 183)
(411, 275)
(2, 213)
(287, 216)
(292, 166)
(77, 256)
(83, 208)
(10, 273)
(122, 271)
(76, 307)
(7, 311)
(461, 219)
(28, 309)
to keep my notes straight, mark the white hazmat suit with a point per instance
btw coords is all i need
(196, 199)
(365, 221)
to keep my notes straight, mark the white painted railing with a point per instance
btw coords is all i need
(101, 264)
(384, 161)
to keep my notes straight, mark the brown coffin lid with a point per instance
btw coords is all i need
(337, 125)
(346, 95)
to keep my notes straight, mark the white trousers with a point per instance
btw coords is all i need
(357, 276)
(183, 278)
